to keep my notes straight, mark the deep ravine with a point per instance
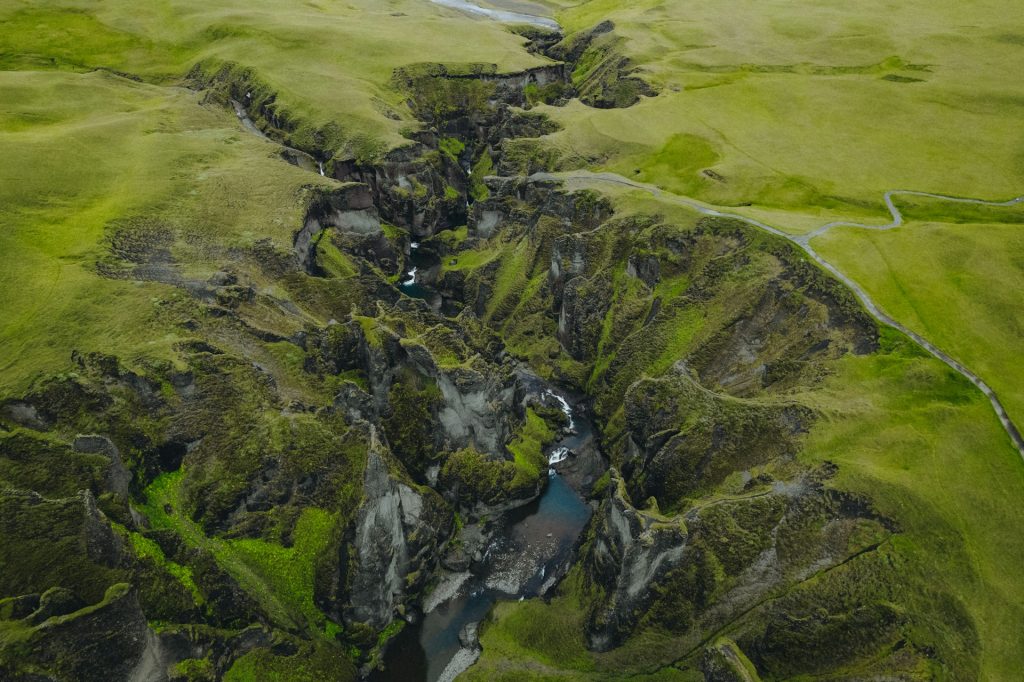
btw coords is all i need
(526, 546)
(527, 556)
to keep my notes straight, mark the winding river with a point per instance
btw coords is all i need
(526, 557)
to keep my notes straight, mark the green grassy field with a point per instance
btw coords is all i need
(914, 435)
(807, 106)
(85, 152)
(956, 284)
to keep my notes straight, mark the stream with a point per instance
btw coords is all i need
(526, 557)
(505, 16)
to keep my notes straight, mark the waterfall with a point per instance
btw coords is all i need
(566, 408)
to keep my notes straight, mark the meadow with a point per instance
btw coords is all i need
(815, 107)
(86, 153)
(958, 284)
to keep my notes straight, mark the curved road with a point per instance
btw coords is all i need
(803, 241)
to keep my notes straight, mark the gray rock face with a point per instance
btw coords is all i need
(585, 304)
(355, 403)
(382, 554)
(395, 536)
(477, 400)
(645, 268)
(468, 635)
(349, 208)
(118, 477)
(473, 410)
(102, 544)
(24, 414)
(487, 223)
(631, 551)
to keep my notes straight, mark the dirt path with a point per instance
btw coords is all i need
(803, 241)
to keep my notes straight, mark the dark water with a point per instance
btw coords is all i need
(522, 561)
(420, 260)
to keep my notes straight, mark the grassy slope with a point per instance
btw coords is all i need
(788, 102)
(83, 150)
(280, 579)
(956, 284)
(327, 61)
(918, 439)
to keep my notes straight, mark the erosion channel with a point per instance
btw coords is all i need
(513, 340)
(521, 547)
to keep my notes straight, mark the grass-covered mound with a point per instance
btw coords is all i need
(142, 178)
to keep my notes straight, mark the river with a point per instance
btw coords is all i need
(502, 15)
(528, 554)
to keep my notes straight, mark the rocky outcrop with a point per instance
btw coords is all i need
(349, 209)
(102, 641)
(473, 403)
(751, 561)
(630, 551)
(682, 439)
(118, 477)
(422, 195)
(394, 542)
(585, 303)
(523, 202)
(67, 542)
(476, 411)
(507, 88)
